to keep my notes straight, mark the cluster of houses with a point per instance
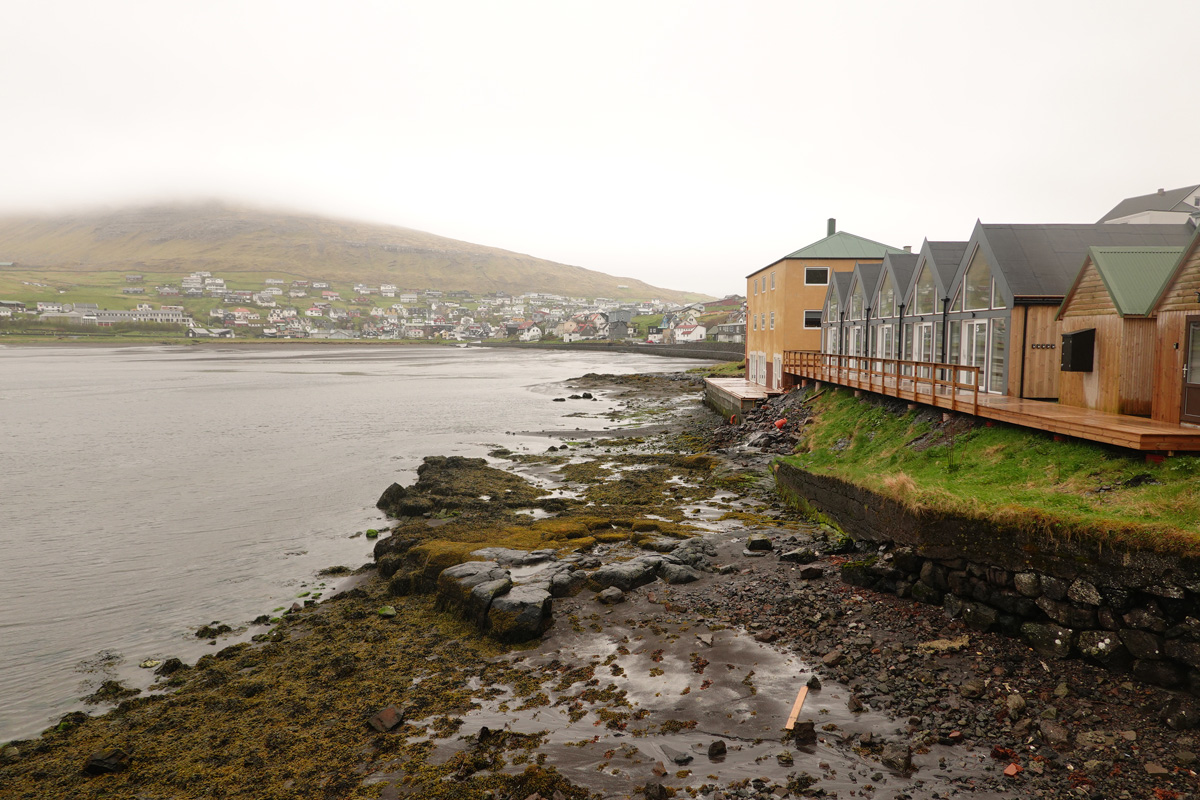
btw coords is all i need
(1103, 316)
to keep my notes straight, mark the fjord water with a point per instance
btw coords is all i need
(147, 491)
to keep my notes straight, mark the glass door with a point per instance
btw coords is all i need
(1189, 410)
(974, 350)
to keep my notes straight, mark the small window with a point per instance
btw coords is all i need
(772, 283)
(755, 321)
(756, 285)
(762, 322)
(812, 319)
(772, 320)
(816, 276)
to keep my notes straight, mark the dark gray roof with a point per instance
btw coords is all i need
(901, 266)
(841, 282)
(1043, 260)
(945, 258)
(1181, 199)
(870, 279)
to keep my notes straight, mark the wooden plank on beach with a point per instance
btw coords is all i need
(799, 704)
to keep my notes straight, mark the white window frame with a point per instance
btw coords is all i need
(772, 320)
(807, 282)
(820, 318)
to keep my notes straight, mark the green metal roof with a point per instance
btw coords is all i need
(844, 245)
(1134, 275)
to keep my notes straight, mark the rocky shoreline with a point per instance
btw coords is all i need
(620, 616)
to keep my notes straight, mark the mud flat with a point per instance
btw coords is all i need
(687, 609)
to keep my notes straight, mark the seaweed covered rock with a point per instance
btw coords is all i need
(458, 484)
(522, 614)
(470, 588)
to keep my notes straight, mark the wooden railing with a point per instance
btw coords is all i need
(952, 386)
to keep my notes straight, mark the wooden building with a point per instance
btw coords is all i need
(1107, 330)
(784, 300)
(1005, 297)
(921, 316)
(864, 280)
(887, 305)
(1176, 396)
(833, 313)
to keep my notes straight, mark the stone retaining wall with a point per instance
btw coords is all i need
(715, 351)
(1126, 609)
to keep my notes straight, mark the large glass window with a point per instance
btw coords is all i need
(831, 308)
(978, 294)
(856, 301)
(999, 355)
(925, 295)
(887, 298)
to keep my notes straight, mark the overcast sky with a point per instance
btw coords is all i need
(683, 143)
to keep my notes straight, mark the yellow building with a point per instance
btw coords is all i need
(784, 300)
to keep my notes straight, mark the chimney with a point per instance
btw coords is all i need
(908, 248)
(832, 227)
(1162, 191)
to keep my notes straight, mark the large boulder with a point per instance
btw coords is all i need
(626, 575)
(469, 588)
(455, 483)
(675, 574)
(522, 614)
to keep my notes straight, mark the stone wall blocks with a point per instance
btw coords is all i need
(1109, 619)
(1146, 619)
(1084, 593)
(933, 575)
(925, 593)
(1105, 648)
(953, 606)
(981, 590)
(979, 617)
(1185, 651)
(908, 560)
(1028, 583)
(1049, 641)
(1068, 614)
(1010, 602)
(1119, 599)
(959, 582)
(997, 576)
(1054, 588)
(1161, 673)
(1142, 644)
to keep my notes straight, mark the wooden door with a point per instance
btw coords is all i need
(1189, 410)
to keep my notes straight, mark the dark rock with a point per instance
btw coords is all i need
(897, 757)
(979, 617)
(1054, 588)
(1049, 641)
(759, 542)
(676, 574)
(1109, 619)
(809, 573)
(804, 732)
(833, 658)
(1105, 648)
(1160, 673)
(170, 667)
(520, 615)
(953, 606)
(717, 749)
(803, 555)
(1080, 591)
(1056, 735)
(386, 719)
(1180, 714)
(933, 575)
(567, 582)
(923, 592)
(907, 560)
(1028, 584)
(1013, 603)
(1142, 644)
(678, 756)
(859, 573)
(611, 596)
(104, 762)
(1067, 614)
(1146, 619)
(470, 588)
(626, 576)
(959, 583)
(1119, 599)
(1185, 651)
(975, 687)
(997, 576)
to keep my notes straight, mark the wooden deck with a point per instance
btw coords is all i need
(953, 387)
(734, 396)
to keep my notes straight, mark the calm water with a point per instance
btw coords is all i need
(147, 491)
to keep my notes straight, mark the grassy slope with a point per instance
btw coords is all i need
(1006, 474)
(247, 246)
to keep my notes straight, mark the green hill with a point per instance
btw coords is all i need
(168, 241)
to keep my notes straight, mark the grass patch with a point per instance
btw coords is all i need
(1004, 474)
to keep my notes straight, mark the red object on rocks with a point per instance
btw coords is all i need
(779, 423)
(1012, 769)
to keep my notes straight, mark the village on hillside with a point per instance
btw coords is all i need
(205, 305)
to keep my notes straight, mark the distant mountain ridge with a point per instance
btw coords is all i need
(226, 239)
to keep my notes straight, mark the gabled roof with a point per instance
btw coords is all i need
(1180, 263)
(1133, 276)
(1182, 199)
(840, 285)
(844, 245)
(901, 266)
(839, 245)
(869, 275)
(1043, 260)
